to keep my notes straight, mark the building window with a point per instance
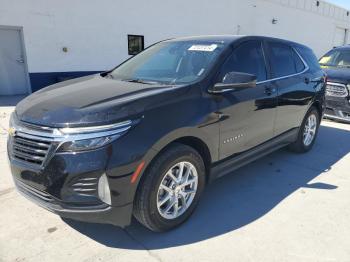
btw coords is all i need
(136, 43)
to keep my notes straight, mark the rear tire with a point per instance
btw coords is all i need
(308, 132)
(165, 181)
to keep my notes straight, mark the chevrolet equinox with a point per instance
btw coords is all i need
(145, 138)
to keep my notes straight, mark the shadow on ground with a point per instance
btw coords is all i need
(237, 200)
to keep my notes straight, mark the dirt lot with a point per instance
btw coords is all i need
(284, 207)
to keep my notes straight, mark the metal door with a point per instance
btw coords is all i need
(13, 68)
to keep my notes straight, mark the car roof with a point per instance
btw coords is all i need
(345, 47)
(210, 38)
(229, 39)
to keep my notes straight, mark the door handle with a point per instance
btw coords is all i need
(270, 90)
(20, 60)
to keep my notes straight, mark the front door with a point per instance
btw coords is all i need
(248, 115)
(13, 73)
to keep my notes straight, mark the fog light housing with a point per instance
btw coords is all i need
(104, 192)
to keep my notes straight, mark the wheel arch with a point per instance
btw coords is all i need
(196, 142)
(199, 145)
(318, 105)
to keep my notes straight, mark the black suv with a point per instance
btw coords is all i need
(146, 137)
(336, 63)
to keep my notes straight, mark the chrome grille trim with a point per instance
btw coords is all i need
(40, 129)
(31, 149)
(336, 90)
(20, 154)
(28, 149)
(36, 145)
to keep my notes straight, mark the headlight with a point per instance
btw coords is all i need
(88, 138)
(11, 130)
(87, 144)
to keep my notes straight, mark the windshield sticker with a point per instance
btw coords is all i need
(203, 48)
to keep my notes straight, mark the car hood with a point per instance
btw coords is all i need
(339, 75)
(91, 100)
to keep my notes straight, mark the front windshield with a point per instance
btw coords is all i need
(171, 62)
(336, 58)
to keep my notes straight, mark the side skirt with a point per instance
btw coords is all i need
(228, 165)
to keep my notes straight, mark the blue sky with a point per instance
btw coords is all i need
(343, 3)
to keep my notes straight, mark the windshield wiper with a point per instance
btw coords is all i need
(141, 81)
(109, 76)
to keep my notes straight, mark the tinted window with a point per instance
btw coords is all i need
(282, 60)
(309, 57)
(247, 58)
(299, 64)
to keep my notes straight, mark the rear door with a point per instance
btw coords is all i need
(290, 78)
(248, 115)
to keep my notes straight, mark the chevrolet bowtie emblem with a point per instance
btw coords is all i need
(12, 131)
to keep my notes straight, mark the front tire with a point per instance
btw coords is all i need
(170, 189)
(308, 132)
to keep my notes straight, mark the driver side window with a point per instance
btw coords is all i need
(246, 58)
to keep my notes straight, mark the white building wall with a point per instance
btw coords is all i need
(95, 32)
(302, 21)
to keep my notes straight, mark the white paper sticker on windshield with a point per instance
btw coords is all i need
(203, 48)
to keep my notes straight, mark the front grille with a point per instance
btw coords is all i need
(337, 90)
(31, 150)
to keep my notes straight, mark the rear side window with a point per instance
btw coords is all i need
(309, 57)
(246, 58)
(283, 60)
(299, 64)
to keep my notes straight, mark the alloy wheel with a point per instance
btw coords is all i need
(177, 190)
(310, 130)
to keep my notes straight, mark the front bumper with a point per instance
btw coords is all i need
(68, 185)
(120, 216)
(338, 108)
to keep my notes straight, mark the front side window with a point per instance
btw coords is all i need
(246, 58)
(282, 59)
(336, 58)
(171, 62)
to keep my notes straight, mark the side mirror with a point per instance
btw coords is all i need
(235, 81)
